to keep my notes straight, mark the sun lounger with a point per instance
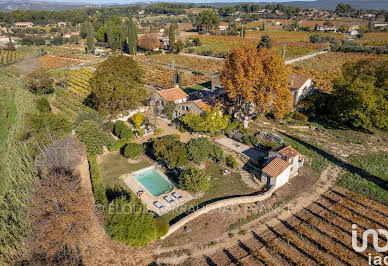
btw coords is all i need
(176, 195)
(168, 199)
(158, 205)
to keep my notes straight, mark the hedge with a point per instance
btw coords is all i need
(118, 145)
(97, 185)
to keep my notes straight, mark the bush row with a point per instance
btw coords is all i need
(95, 177)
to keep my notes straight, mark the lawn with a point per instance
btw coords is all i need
(113, 165)
(221, 186)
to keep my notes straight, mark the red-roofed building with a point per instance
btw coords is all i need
(282, 164)
(176, 95)
(276, 173)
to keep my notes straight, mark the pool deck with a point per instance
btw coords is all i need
(148, 199)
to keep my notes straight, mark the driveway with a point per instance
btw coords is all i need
(253, 153)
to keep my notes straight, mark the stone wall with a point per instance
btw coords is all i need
(216, 205)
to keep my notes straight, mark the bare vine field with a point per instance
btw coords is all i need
(319, 234)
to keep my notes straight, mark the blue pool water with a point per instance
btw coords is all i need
(153, 181)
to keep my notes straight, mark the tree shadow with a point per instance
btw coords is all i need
(116, 192)
(351, 168)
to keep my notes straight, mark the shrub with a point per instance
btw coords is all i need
(117, 145)
(249, 139)
(109, 126)
(211, 121)
(133, 150)
(201, 149)
(43, 105)
(153, 52)
(170, 150)
(141, 132)
(300, 116)
(39, 82)
(194, 180)
(137, 119)
(122, 131)
(91, 115)
(95, 178)
(135, 228)
(162, 226)
(231, 161)
(93, 136)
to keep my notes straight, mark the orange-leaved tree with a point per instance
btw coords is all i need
(251, 76)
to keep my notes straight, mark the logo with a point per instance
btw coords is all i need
(365, 235)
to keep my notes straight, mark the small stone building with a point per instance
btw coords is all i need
(300, 87)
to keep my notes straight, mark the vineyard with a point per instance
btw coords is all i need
(9, 56)
(220, 45)
(58, 61)
(69, 101)
(162, 76)
(186, 62)
(319, 234)
(323, 69)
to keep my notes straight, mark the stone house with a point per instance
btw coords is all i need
(300, 87)
(197, 107)
(283, 163)
(23, 24)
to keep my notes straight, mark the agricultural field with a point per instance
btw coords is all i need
(295, 47)
(50, 62)
(319, 234)
(290, 35)
(69, 100)
(184, 62)
(325, 68)
(8, 56)
(162, 76)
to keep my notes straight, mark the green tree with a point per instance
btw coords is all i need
(169, 109)
(122, 131)
(39, 82)
(93, 136)
(133, 150)
(201, 149)
(207, 20)
(43, 105)
(110, 36)
(194, 180)
(117, 85)
(210, 121)
(360, 95)
(90, 34)
(170, 150)
(132, 36)
(265, 42)
(231, 161)
(171, 38)
(129, 222)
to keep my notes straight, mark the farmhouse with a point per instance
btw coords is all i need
(300, 87)
(197, 107)
(176, 95)
(62, 24)
(223, 26)
(282, 164)
(23, 25)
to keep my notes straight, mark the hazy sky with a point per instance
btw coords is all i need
(144, 1)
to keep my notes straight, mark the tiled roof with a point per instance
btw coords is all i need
(276, 167)
(174, 94)
(203, 105)
(296, 82)
(289, 152)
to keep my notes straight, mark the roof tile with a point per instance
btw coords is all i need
(276, 167)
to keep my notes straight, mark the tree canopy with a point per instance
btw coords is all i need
(116, 85)
(170, 150)
(211, 121)
(39, 82)
(265, 42)
(360, 95)
(256, 76)
(207, 20)
(194, 180)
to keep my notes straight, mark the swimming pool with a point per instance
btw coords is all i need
(153, 181)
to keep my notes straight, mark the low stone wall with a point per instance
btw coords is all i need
(216, 205)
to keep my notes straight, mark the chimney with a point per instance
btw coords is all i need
(176, 86)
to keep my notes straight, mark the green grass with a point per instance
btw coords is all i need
(362, 186)
(374, 164)
(196, 87)
(114, 165)
(221, 186)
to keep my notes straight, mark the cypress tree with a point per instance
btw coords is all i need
(171, 37)
(90, 37)
(132, 36)
(110, 36)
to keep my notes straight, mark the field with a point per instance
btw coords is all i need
(296, 45)
(319, 234)
(69, 101)
(57, 61)
(184, 62)
(325, 68)
(162, 76)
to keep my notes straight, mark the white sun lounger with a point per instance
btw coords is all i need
(177, 195)
(168, 199)
(158, 205)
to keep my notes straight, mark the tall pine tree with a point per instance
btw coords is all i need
(90, 37)
(171, 37)
(132, 36)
